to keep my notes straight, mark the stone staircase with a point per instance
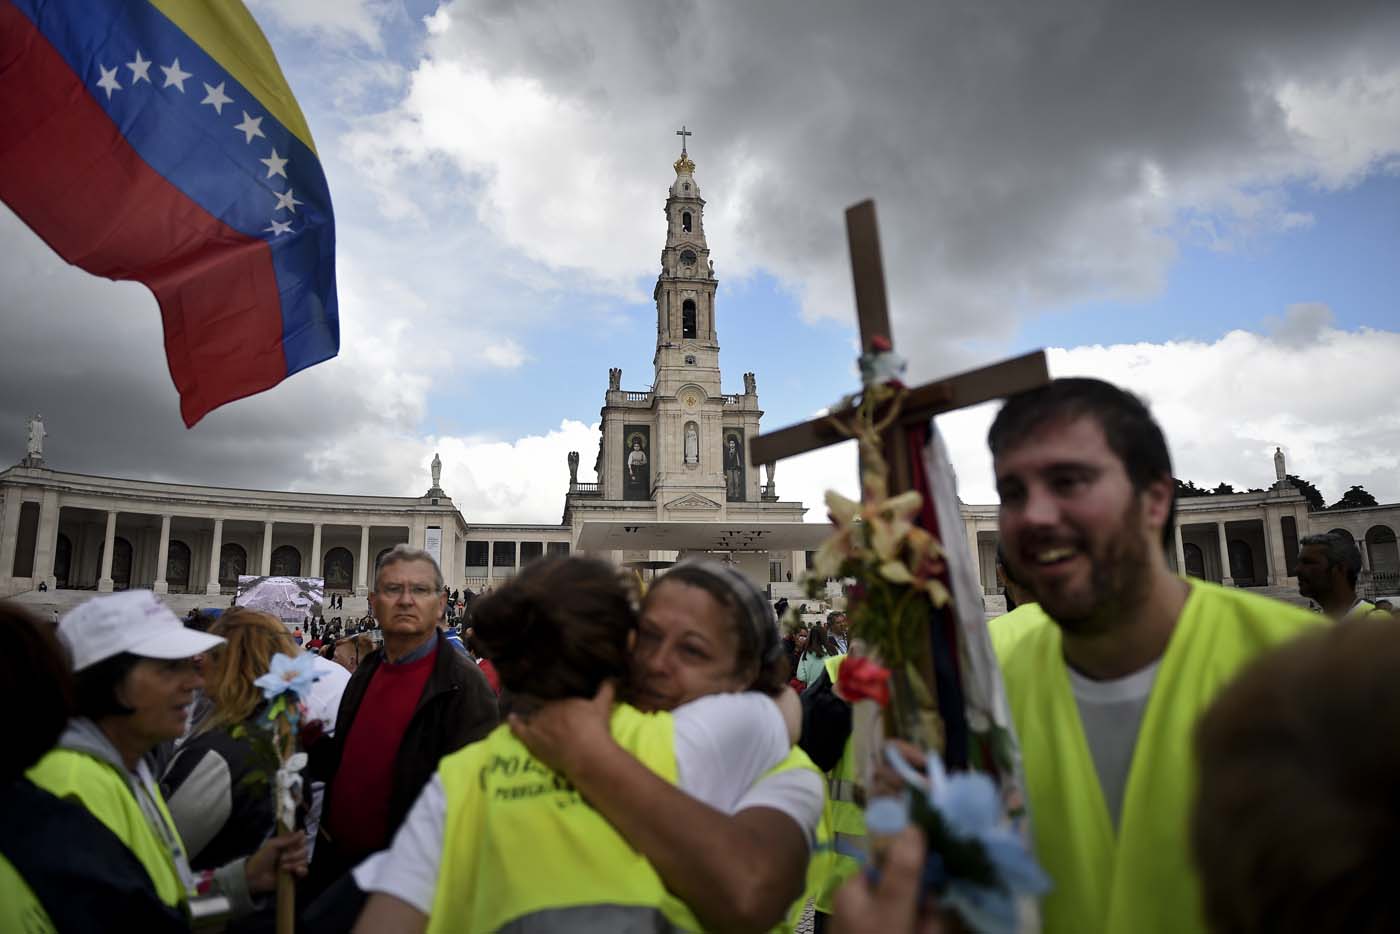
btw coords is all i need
(44, 603)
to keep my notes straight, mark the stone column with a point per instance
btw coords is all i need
(265, 560)
(1225, 578)
(162, 557)
(104, 582)
(490, 561)
(362, 565)
(9, 536)
(216, 544)
(46, 541)
(1180, 550)
(316, 550)
(1271, 563)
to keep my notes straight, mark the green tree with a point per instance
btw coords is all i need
(1310, 493)
(1354, 498)
(1223, 489)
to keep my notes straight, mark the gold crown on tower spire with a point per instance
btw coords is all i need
(683, 165)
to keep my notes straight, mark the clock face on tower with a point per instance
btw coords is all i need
(687, 257)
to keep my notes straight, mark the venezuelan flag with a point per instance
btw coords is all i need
(157, 141)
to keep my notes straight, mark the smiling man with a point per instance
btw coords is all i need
(408, 704)
(1105, 690)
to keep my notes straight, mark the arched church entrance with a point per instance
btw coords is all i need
(177, 566)
(286, 562)
(62, 560)
(1241, 563)
(1382, 549)
(338, 569)
(233, 562)
(1195, 560)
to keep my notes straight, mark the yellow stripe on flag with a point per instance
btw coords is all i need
(226, 30)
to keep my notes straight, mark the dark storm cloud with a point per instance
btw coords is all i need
(1022, 154)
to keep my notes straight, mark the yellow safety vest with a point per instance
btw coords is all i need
(796, 759)
(20, 910)
(1365, 609)
(841, 833)
(519, 840)
(1006, 630)
(102, 789)
(1142, 881)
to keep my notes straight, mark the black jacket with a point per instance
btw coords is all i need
(457, 707)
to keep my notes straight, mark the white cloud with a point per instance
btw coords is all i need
(1326, 396)
(338, 21)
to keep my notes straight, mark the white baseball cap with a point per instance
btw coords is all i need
(133, 621)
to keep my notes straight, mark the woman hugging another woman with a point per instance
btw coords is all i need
(576, 828)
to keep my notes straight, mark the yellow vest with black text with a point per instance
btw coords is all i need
(520, 842)
(1139, 880)
(841, 833)
(104, 791)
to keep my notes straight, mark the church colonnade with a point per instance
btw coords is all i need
(98, 541)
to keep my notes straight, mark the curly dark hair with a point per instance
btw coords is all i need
(559, 629)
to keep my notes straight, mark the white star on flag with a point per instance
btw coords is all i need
(279, 227)
(216, 97)
(285, 200)
(108, 81)
(250, 127)
(140, 70)
(174, 76)
(275, 165)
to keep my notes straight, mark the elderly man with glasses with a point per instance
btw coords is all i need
(409, 703)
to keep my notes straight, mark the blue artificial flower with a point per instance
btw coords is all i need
(289, 674)
(970, 807)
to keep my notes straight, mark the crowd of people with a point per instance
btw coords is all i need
(570, 753)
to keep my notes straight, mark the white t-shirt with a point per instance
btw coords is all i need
(723, 743)
(1111, 714)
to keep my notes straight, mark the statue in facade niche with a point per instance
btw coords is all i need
(437, 471)
(615, 377)
(692, 443)
(34, 444)
(573, 468)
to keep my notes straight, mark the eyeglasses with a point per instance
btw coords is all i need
(419, 591)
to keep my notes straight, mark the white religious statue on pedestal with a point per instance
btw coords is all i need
(35, 442)
(771, 470)
(1278, 465)
(692, 444)
(437, 471)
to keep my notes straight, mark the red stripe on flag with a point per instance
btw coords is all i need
(69, 174)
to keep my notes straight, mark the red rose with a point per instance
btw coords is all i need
(861, 679)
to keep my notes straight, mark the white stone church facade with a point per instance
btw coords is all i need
(673, 478)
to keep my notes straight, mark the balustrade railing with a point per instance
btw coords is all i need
(588, 489)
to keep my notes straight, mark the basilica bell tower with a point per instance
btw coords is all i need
(687, 347)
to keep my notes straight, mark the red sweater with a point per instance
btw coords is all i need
(359, 817)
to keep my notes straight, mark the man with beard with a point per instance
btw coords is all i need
(1328, 566)
(1105, 690)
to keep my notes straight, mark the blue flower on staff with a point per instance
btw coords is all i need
(289, 674)
(970, 809)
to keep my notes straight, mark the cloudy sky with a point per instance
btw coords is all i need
(1198, 200)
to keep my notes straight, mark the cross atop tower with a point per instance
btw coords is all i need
(683, 133)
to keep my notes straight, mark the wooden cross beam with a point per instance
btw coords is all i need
(920, 403)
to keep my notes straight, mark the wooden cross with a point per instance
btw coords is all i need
(920, 403)
(917, 407)
(683, 133)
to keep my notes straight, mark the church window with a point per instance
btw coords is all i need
(503, 555)
(688, 319)
(530, 551)
(558, 549)
(685, 221)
